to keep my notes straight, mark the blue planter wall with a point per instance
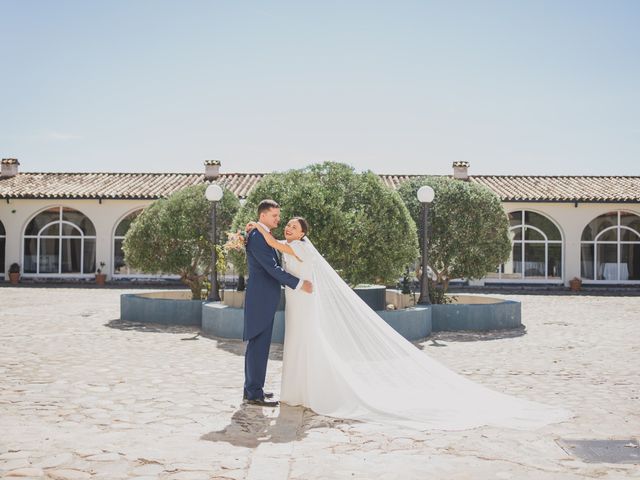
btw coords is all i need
(412, 323)
(138, 308)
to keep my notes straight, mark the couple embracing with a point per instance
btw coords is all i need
(341, 359)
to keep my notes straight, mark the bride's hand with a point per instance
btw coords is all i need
(250, 226)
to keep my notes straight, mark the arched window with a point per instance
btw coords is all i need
(60, 240)
(536, 251)
(120, 266)
(3, 243)
(610, 248)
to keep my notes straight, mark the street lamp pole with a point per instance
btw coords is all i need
(425, 197)
(214, 194)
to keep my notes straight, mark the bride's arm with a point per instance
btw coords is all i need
(272, 242)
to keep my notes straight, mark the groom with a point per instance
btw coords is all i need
(261, 301)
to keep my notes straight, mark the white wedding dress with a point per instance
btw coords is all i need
(342, 360)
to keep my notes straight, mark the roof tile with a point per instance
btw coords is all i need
(510, 188)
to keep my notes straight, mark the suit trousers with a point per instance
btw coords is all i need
(255, 363)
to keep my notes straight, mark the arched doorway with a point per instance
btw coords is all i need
(536, 249)
(59, 241)
(610, 248)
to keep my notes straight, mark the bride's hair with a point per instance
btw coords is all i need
(304, 225)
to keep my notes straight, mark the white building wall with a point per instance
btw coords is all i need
(571, 219)
(105, 216)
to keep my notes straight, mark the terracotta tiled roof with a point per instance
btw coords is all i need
(524, 188)
(115, 185)
(519, 188)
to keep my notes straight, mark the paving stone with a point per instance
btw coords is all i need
(15, 455)
(128, 401)
(104, 457)
(24, 472)
(14, 464)
(87, 452)
(192, 476)
(54, 461)
(68, 474)
(149, 469)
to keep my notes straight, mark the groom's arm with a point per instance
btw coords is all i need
(264, 255)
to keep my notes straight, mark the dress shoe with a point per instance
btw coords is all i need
(266, 395)
(261, 402)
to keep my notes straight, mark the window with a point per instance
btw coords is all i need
(610, 248)
(3, 243)
(536, 252)
(120, 266)
(60, 240)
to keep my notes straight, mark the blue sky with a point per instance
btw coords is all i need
(513, 87)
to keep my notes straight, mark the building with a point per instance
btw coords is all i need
(66, 225)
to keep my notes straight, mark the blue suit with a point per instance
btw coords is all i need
(260, 304)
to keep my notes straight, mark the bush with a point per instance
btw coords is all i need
(468, 228)
(173, 236)
(360, 226)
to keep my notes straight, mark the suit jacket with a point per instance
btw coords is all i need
(263, 288)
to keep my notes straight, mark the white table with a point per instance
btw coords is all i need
(609, 271)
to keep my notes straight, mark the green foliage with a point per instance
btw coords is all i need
(405, 283)
(468, 228)
(361, 227)
(438, 294)
(173, 236)
(238, 260)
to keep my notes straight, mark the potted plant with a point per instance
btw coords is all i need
(575, 284)
(101, 277)
(14, 273)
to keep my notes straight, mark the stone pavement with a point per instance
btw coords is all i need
(83, 395)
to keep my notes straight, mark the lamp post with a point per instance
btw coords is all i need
(425, 197)
(213, 194)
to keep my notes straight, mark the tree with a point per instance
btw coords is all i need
(361, 227)
(173, 236)
(468, 228)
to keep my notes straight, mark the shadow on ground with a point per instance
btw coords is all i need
(152, 327)
(237, 347)
(432, 340)
(249, 426)
(192, 333)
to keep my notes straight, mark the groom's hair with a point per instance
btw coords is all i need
(267, 204)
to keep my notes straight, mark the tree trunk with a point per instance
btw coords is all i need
(195, 285)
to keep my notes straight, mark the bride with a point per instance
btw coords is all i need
(340, 359)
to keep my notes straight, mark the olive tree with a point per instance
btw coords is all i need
(468, 228)
(172, 236)
(360, 226)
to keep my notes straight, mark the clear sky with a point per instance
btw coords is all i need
(513, 87)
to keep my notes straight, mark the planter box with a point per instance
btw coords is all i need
(476, 314)
(227, 322)
(233, 298)
(169, 308)
(373, 295)
(400, 300)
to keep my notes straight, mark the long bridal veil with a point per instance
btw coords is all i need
(361, 368)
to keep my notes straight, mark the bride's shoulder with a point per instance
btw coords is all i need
(299, 247)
